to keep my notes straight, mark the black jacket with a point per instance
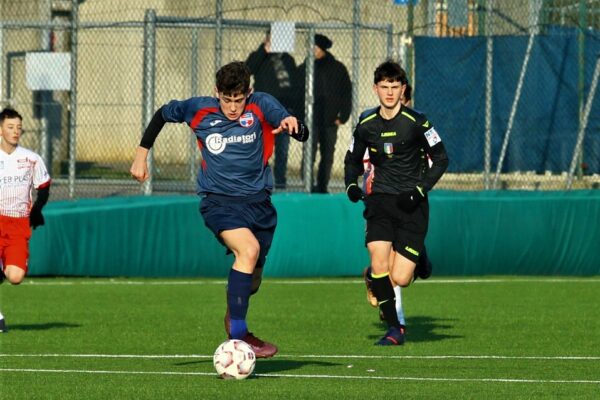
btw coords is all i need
(275, 73)
(332, 90)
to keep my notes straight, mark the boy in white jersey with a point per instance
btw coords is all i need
(21, 170)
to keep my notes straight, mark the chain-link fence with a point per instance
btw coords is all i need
(510, 85)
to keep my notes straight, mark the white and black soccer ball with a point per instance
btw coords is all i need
(234, 359)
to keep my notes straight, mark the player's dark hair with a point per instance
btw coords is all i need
(408, 93)
(233, 78)
(9, 113)
(390, 71)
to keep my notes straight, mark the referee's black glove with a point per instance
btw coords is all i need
(36, 218)
(354, 193)
(408, 201)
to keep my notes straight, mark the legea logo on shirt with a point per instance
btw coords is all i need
(216, 143)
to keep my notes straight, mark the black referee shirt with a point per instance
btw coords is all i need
(398, 149)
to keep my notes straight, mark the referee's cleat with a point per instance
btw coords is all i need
(368, 282)
(3, 328)
(261, 348)
(393, 337)
(424, 267)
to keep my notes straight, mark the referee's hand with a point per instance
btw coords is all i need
(409, 201)
(354, 193)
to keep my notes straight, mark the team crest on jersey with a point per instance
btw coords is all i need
(247, 120)
(388, 148)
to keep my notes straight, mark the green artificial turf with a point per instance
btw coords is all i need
(500, 337)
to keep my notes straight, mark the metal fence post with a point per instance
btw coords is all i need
(44, 96)
(194, 90)
(218, 33)
(489, 58)
(73, 102)
(355, 60)
(149, 85)
(308, 106)
(2, 66)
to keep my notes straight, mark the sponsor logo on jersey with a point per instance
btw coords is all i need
(216, 143)
(388, 134)
(24, 163)
(388, 148)
(16, 180)
(247, 120)
(432, 137)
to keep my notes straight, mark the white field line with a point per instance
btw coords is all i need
(150, 282)
(310, 376)
(315, 356)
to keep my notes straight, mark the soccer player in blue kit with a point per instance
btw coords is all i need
(235, 132)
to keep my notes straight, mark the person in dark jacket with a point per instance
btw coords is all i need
(331, 108)
(274, 74)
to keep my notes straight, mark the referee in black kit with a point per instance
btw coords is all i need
(397, 211)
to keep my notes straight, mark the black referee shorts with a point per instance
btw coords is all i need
(388, 222)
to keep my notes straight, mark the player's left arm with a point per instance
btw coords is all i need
(434, 147)
(41, 181)
(278, 117)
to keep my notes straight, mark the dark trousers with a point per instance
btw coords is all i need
(282, 144)
(325, 137)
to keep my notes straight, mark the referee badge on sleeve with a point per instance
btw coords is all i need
(432, 137)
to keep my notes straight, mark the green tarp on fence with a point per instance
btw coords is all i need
(541, 233)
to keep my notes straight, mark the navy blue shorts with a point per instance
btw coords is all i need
(255, 212)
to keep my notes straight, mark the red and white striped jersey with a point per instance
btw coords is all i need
(20, 171)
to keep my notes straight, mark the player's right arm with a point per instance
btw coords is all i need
(174, 111)
(139, 168)
(353, 165)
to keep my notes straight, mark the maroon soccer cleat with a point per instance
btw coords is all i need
(261, 348)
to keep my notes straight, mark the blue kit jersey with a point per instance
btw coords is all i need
(235, 154)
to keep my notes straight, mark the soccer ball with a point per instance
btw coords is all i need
(234, 359)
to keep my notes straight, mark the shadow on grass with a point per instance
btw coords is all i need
(422, 329)
(273, 365)
(279, 365)
(42, 327)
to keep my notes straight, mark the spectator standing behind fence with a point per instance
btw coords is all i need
(274, 74)
(332, 105)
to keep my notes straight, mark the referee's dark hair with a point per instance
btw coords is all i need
(233, 78)
(408, 93)
(390, 71)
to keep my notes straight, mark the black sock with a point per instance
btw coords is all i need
(383, 290)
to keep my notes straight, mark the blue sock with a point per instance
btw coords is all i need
(238, 294)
